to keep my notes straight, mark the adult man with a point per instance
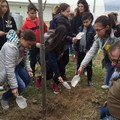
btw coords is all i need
(113, 101)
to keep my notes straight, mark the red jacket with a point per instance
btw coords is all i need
(34, 25)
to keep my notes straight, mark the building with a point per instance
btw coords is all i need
(18, 9)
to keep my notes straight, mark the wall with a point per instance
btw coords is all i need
(22, 10)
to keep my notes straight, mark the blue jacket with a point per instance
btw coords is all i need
(89, 38)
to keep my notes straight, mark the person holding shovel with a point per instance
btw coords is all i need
(104, 39)
(14, 64)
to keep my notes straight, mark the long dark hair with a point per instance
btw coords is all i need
(113, 17)
(56, 41)
(85, 4)
(7, 14)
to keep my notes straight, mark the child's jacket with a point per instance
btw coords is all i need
(34, 25)
(10, 57)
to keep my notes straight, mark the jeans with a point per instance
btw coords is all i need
(23, 80)
(109, 71)
(104, 113)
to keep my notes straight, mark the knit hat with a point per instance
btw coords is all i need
(12, 37)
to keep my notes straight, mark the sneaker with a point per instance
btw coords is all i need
(38, 82)
(4, 104)
(1, 88)
(90, 83)
(85, 73)
(56, 88)
(105, 87)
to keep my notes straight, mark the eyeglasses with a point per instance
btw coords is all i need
(116, 61)
(98, 30)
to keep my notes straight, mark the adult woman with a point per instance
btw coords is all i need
(104, 39)
(77, 22)
(7, 22)
(13, 52)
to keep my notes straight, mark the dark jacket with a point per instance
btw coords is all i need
(89, 38)
(5, 26)
(76, 23)
(117, 32)
(60, 19)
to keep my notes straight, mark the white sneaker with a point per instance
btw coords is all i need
(105, 87)
(4, 104)
(85, 73)
(1, 88)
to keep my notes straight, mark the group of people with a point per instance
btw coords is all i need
(15, 46)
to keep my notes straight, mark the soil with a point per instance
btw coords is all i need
(79, 103)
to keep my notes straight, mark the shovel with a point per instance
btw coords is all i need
(21, 102)
(75, 80)
(66, 85)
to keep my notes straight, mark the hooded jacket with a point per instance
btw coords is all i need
(10, 57)
(34, 25)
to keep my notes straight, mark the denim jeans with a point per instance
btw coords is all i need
(109, 71)
(104, 113)
(23, 80)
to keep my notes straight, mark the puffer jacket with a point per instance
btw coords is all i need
(10, 57)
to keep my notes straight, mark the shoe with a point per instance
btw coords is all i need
(4, 104)
(38, 82)
(105, 87)
(56, 88)
(1, 88)
(85, 73)
(90, 83)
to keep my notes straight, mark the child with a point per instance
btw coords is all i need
(84, 44)
(32, 22)
(13, 52)
(55, 45)
(114, 23)
(7, 22)
(104, 39)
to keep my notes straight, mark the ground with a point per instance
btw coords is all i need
(79, 103)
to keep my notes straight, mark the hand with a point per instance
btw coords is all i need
(74, 39)
(38, 45)
(76, 53)
(30, 74)
(15, 92)
(2, 33)
(60, 79)
(80, 70)
(105, 103)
